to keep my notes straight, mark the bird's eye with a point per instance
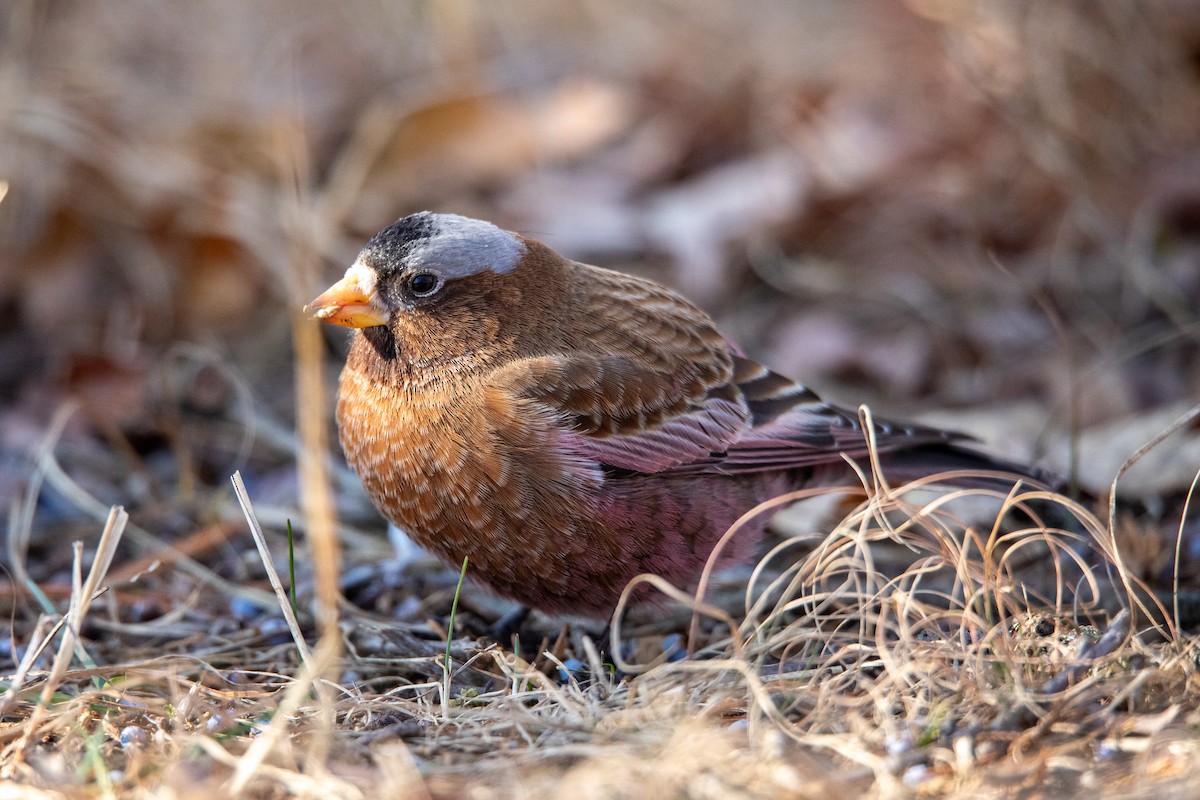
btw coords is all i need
(424, 284)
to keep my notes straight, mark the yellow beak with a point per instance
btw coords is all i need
(349, 302)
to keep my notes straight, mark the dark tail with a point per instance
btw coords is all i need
(909, 464)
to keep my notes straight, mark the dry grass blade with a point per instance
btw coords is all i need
(39, 639)
(768, 507)
(306, 237)
(81, 599)
(295, 783)
(314, 668)
(274, 737)
(1179, 424)
(686, 599)
(20, 521)
(264, 553)
(1183, 518)
(77, 496)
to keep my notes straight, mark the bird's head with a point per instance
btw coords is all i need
(432, 287)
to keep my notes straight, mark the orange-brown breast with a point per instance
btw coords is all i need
(469, 470)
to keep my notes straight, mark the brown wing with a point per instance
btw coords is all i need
(628, 416)
(640, 376)
(792, 427)
(654, 328)
(649, 385)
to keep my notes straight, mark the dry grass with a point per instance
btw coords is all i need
(982, 205)
(996, 660)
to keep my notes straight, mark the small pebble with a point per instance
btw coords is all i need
(9, 649)
(672, 645)
(275, 630)
(218, 723)
(143, 610)
(915, 775)
(572, 666)
(133, 735)
(409, 609)
(244, 609)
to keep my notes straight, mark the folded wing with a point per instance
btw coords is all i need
(631, 417)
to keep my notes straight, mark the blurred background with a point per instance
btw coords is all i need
(983, 213)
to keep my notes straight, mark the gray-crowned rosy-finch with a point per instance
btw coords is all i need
(567, 427)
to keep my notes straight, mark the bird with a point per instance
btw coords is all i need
(566, 427)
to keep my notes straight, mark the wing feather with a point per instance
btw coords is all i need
(647, 384)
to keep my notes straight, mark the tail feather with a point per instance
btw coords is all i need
(909, 464)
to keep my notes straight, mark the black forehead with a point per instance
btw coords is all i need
(391, 246)
(451, 245)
